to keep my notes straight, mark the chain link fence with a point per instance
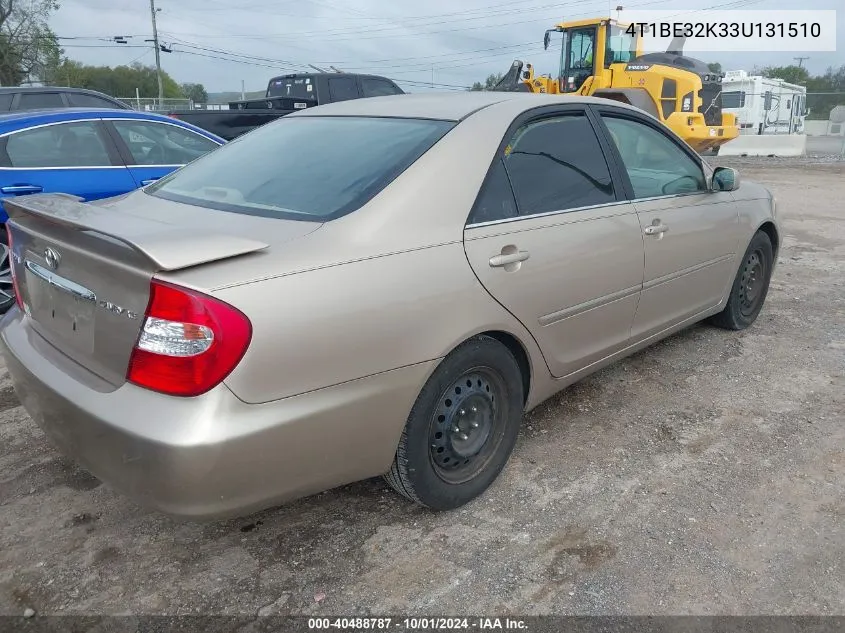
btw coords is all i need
(151, 104)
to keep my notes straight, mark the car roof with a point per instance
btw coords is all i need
(13, 121)
(444, 106)
(14, 89)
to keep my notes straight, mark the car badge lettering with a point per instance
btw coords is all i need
(116, 309)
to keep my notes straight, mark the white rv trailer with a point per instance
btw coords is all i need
(763, 105)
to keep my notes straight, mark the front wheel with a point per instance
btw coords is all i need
(462, 428)
(750, 286)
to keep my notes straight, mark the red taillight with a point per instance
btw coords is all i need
(189, 342)
(11, 262)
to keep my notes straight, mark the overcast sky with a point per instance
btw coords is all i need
(449, 43)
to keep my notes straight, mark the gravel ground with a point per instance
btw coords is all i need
(702, 476)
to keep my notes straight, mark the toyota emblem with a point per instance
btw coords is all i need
(52, 258)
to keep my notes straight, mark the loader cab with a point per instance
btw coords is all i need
(577, 57)
(588, 49)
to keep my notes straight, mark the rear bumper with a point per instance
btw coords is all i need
(213, 456)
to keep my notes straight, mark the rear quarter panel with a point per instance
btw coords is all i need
(331, 325)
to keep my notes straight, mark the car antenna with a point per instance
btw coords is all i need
(317, 68)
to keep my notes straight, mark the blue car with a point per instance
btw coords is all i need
(92, 153)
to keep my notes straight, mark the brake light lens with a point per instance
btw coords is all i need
(189, 342)
(11, 264)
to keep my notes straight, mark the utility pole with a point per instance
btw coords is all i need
(800, 61)
(158, 53)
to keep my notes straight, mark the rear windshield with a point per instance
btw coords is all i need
(298, 87)
(303, 168)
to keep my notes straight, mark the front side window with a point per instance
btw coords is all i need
(64, 145)
(557, 164)
(304, 168)
(656, 165)
(152, 143)
(581, 49)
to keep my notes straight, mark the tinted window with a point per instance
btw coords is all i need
(304, 168)
(655, 164)
(6, 101)
(343, 88)
(162, 144)
(733, 99)
(81, 100)
(36, 100)
(496, 201)
(63, 145)
(299, 87)
(557, 164)
(378, 88)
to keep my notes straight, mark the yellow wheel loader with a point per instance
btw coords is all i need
(603, 58)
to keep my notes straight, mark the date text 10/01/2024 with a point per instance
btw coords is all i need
(726, 29)
(416, 624)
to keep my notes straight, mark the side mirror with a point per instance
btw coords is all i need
(546, 41)
(725, 179)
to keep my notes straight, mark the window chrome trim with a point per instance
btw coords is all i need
(73, 167)
(544, 214)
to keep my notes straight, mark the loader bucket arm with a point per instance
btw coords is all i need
(512, 81)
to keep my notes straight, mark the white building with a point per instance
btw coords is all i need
(763, 105)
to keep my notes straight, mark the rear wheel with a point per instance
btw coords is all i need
(750, 286)
(7, 289)
(462, 428)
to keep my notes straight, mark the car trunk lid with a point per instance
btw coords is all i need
(83, 272)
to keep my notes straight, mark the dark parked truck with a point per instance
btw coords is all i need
(286, 94)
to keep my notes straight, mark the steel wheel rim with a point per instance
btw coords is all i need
(752, 282)
(7, 287)
(467, 425)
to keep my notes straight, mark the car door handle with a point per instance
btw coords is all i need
(15, 189)
(497, 261)
(655, 229)
(148, 181)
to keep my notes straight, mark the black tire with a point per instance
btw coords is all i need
(7, 291)
(750, 286)
(442, 460)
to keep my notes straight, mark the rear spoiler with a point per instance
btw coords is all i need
(168, 246)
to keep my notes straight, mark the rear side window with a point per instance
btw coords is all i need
(378, 88)
(64, 145)
(81, 100)
(304, 168)
(343, 88)
(36, 100)
(6, 102)
(557, 164)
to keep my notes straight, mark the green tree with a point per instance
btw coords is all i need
(120, 81)
(824, 92)
(194, 92)
(791, 74)
(491, 81)
(28, 48)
